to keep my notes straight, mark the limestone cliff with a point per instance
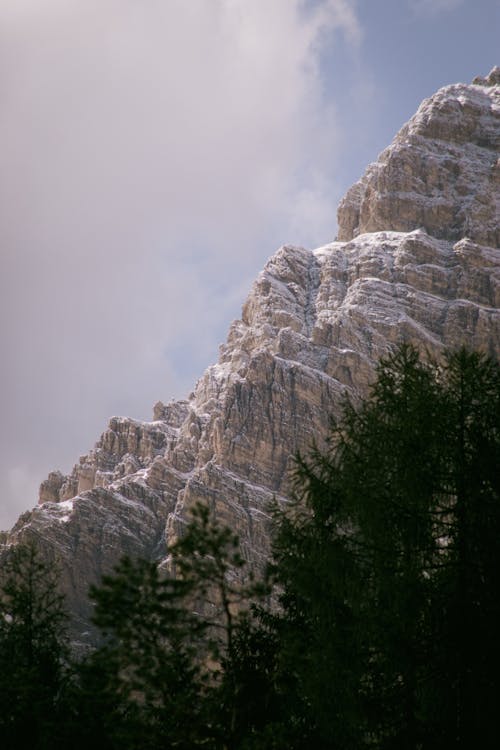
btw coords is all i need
(417, 259)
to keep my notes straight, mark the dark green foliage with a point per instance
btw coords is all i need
(169, 672)
(207, 558)
(32, 651)
(389, 562)
(146, 668)
(469, 579)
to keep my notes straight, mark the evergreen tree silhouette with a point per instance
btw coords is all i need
(33, 651)
(389, 557)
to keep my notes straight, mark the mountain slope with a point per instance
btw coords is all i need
(417, 259)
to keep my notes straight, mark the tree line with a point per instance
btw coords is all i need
(376, 626)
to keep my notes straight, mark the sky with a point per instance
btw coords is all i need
(153, 155)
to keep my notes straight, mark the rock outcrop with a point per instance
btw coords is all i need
(417, 259)
(441, 173)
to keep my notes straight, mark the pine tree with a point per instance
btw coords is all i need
(471, 528)
(169, 672)
(388, 561)
(33, 651)
(142, 688)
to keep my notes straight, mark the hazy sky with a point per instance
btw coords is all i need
(153, 155)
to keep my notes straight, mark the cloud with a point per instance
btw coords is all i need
(153, 155)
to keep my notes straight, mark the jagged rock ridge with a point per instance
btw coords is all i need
(417, 259)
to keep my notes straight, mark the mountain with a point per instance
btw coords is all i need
(417, 259)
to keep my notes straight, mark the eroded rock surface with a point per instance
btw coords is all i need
(441, 172)
(417, 260)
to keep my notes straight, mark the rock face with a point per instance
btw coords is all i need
(441, 173)
(417, 259)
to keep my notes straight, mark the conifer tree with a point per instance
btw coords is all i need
(141, 688)
(33, 651)
(388, 561)
(169, 671)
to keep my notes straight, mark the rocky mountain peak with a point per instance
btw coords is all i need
(441, 173)
(492, 79)
(417, 259)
